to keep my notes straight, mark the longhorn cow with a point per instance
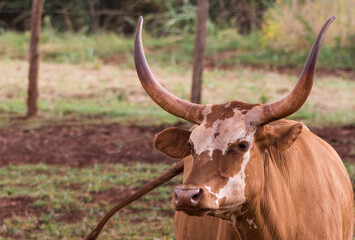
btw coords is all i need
(248, 173)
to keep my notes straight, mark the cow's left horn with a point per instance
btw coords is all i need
(167, 101)
(299, 94)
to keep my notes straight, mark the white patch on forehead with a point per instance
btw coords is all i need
(223, 132)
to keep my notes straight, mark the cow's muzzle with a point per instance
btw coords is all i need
(187, 197)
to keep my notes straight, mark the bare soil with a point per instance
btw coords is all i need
(79, 146)
(76, 145)
(17, 206)
(342, 140)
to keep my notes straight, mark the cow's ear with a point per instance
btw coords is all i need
(280, 135)
(173, 142)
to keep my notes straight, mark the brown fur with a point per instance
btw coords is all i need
(279, 135)
(201, 228)
(226, 110)
(173, 142)
(297, 188)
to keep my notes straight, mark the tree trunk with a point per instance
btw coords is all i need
(93, 16)
(36, 19)
(252, 15)
(199, 51)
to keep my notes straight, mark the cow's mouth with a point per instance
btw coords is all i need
(194, 211)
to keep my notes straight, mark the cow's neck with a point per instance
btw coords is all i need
(268, 217)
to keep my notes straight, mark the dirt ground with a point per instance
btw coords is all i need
(76, 145)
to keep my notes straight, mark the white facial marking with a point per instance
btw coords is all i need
(209, 190)
(222, 133)
(251, 222)
(235, 186)
(219, 136)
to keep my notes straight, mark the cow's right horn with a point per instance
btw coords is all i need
(299, 94)
(167, 101)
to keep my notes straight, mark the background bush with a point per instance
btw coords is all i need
(162, 16)
(293, 25)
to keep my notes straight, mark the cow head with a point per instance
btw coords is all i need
(227, 145)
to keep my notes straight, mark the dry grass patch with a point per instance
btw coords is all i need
(105, 90)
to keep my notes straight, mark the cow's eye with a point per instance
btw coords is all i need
(241, 146)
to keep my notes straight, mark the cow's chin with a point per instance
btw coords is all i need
(199, 212)
(219, 213)
(203, 209)
(195, 212)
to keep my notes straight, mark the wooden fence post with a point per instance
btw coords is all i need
(199, 51)
(36, 20)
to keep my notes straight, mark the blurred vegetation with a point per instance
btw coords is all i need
(290, 27)
(282, 38)
(163, 16)
(225, 49)
(102, 93)
(293, 25)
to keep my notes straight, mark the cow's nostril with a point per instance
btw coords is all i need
(176, 197)
(197, 195)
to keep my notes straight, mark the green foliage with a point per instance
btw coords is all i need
(178, 20)
(163, 16)
(171, 50)
(293, 26)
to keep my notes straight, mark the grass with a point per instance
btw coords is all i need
(62, 191)
(167, 51)
(90, 91)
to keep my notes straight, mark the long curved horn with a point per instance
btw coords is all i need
(299, 94)
(166, 100)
